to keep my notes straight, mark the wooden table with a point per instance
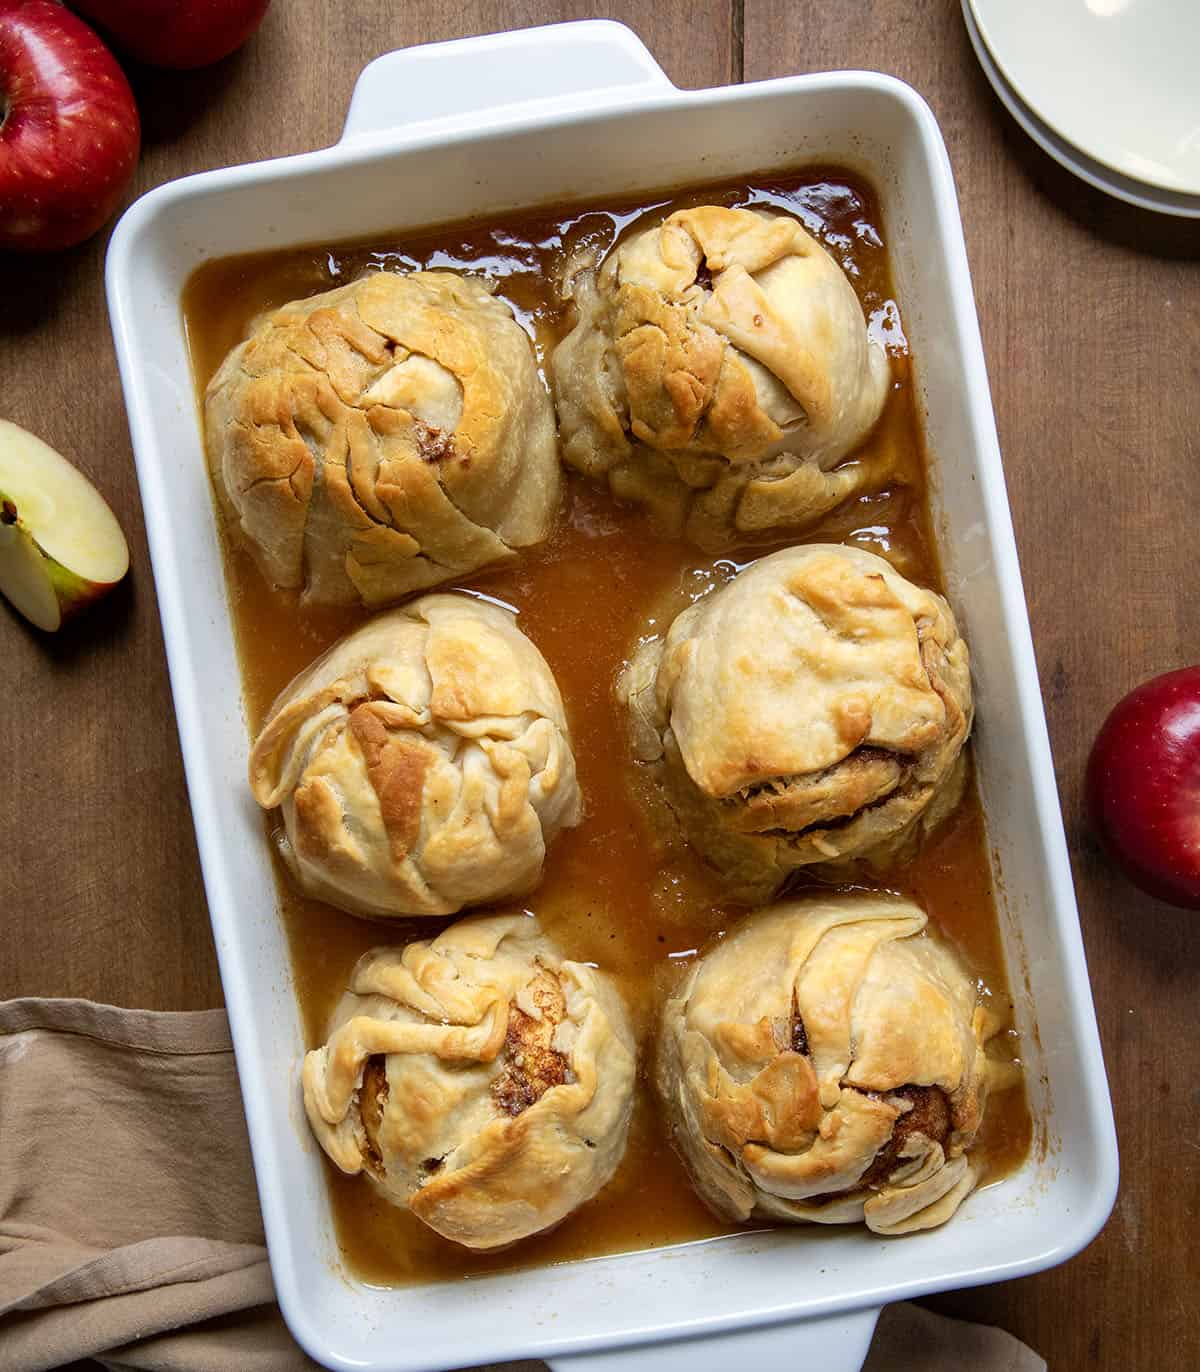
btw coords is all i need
(1091, 320)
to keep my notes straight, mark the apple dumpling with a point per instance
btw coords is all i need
(812, 711)
(718, 371)
(422, 765)
(383, 438)
(480, 1079)
(826, 1062)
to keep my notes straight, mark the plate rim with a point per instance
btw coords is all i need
(1096, 157)
(1143, 195)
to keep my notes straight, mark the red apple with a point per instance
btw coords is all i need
(1143, 786)
(69, 131)
(176, 33)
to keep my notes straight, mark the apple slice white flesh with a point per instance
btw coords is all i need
(60, 545)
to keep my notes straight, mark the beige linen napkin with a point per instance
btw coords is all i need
(129, 1222)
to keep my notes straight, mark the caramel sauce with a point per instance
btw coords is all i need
(614, 891)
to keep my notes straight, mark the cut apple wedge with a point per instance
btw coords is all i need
(60, 545)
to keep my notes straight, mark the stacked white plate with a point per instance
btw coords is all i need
(1109, 88)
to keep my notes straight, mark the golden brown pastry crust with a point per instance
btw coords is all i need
(384, 437)
(812, 711)
(826, 1063)
(718, 371)
(480, 1079)
(423, 764)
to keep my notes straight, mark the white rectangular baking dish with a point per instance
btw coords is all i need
(581, 111)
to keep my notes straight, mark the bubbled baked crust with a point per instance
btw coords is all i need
(384, 437)
(718, 371)
(812, 711)
(422, 765)
(481, 1080)
(825, 1063)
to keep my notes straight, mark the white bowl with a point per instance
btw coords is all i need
(581, 111)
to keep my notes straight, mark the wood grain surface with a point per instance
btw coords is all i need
(1091, 321)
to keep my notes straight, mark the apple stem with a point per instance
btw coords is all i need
(8, 512)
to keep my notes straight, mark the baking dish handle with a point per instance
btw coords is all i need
(836, 1343)
(557, 67)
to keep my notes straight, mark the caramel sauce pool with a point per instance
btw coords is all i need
(613, 892)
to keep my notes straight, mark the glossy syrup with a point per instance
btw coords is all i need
(613, 893)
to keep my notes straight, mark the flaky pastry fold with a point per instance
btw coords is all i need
(826, 1063)
(422, 765)
(811, 711)
(480, 1079)
(718, 371)
(384, 437)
